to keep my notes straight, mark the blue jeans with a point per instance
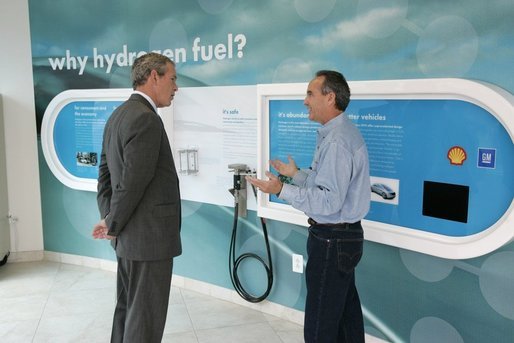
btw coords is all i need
(333, 309)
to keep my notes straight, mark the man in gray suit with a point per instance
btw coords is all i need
(139, 201)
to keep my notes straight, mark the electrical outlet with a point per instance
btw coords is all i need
(297, 263)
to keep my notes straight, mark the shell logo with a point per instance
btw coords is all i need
(457, 155)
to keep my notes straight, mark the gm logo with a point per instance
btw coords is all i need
(486, 158)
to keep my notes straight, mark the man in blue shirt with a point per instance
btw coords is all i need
(335, 194)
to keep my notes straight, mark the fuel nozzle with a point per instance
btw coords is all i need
(239, 187)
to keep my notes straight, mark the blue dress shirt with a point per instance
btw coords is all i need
(336, 188)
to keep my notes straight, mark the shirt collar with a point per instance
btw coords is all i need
(332, 123)
(147, 98)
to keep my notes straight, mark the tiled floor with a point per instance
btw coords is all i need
(56, 302)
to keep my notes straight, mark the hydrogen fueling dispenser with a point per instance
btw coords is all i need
(239, 191)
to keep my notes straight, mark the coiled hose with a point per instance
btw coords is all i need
(235, 262)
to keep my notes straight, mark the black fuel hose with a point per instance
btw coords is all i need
(235, 262)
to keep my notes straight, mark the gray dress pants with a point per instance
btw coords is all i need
(143, 289)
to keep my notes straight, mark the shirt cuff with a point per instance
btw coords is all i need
(300, 177)
(287, 192)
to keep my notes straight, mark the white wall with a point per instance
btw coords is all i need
(17, 89)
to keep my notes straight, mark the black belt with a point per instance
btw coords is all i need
(313, 222)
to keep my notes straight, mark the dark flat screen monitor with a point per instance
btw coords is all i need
(445, 201)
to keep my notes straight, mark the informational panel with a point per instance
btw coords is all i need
(441, 160)
(209, 129)
(72, 132)
(219, 125)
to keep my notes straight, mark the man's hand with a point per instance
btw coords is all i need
(100, 231)
(287, 169)
(273, 185)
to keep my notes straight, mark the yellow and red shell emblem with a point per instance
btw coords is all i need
(457, 155)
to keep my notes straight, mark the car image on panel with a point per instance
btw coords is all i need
(383, 190)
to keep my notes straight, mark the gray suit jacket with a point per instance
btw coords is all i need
(138, 188)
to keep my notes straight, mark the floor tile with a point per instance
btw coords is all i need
(18, 331)
(56, 302)
(212, 313)
(177, 319)
(248, 333)
(70, 277)
(182, 337)
(79, 302)
(83, 328)
(22, 307)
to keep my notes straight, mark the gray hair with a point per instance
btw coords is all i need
(143, 66)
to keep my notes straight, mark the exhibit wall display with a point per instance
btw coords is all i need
(429, 198)
(226, 53)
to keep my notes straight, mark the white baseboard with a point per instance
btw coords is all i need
(78, 260)
(25, 256)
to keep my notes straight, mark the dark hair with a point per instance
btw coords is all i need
(143, 66)
(335, 82)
